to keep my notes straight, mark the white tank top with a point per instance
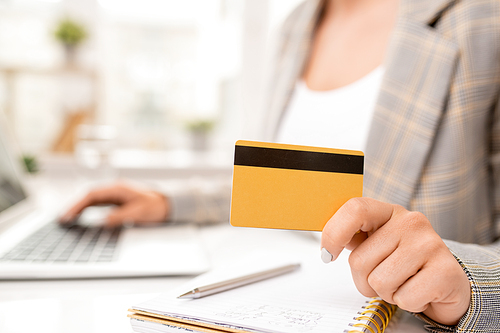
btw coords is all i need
(338, 118)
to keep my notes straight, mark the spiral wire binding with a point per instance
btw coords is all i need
(376, 309)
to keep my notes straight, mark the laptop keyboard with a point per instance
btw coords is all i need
(75, 244)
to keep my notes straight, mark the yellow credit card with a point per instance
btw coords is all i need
(293, 187)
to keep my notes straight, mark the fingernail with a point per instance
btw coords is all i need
(64, 219)
(326, 256)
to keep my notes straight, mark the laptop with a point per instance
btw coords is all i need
(34, 246)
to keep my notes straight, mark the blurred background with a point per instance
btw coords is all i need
(87, 82)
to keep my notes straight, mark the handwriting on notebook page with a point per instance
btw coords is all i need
(301, 320)
(317, 298)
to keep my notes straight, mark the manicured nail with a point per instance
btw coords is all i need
(326, 256)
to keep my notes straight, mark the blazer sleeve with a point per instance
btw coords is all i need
(481, 263)
(482, 266)
(200, 202)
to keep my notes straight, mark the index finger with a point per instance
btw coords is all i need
(93, 198)
(357, 214)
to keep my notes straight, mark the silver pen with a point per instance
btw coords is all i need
(238, 282)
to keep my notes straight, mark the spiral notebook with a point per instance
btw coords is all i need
(316, 298)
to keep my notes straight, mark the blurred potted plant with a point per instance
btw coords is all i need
(199, 131)
(70, 34)
(30, 163)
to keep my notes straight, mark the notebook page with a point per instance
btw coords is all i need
(316, 298)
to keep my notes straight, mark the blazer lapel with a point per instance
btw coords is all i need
(419, 68)
(291, 62)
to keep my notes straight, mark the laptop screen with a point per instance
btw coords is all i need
(11, 191)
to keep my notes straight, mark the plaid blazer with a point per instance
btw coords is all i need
(434, 142)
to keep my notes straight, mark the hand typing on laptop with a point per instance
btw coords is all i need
(33, 246)
(133, 205)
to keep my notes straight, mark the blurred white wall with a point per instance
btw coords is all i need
(149, 67)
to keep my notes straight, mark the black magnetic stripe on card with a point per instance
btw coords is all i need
(298, 160)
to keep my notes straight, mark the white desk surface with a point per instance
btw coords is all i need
(92, 306)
